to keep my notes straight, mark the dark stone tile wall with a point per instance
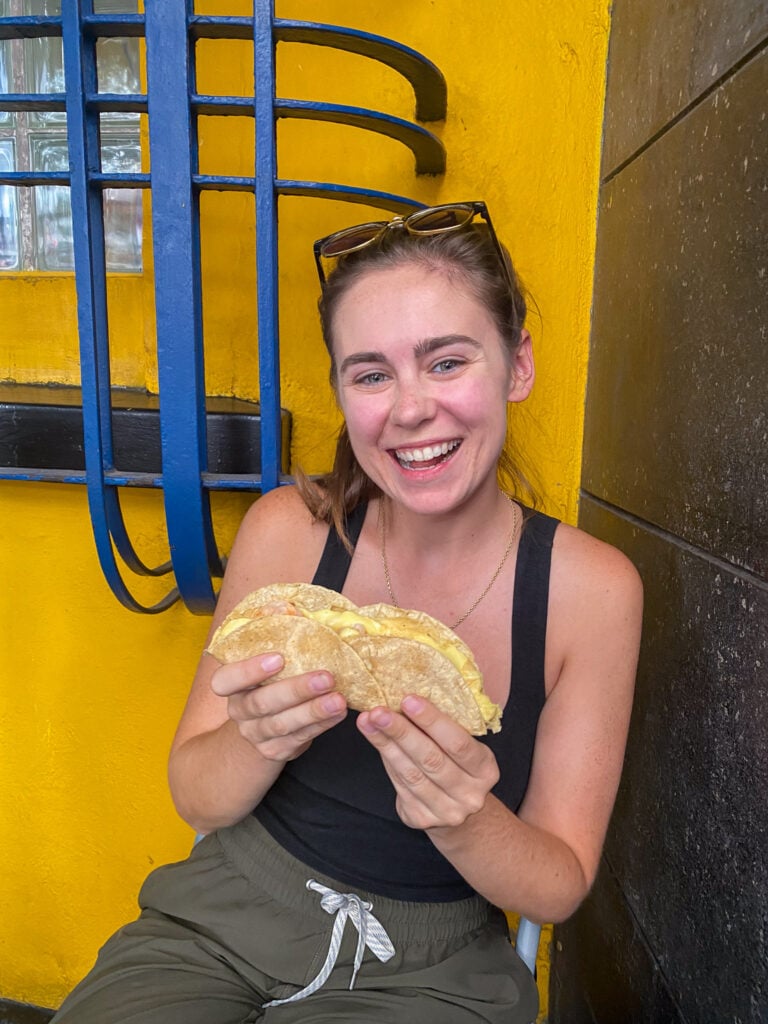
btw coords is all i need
(676, 474)
(664, 56)
(677, 400)
(597, 951)
(675, 928)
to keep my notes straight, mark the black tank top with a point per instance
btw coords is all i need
(334, 807)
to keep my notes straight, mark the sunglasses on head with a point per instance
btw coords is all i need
(432, 220)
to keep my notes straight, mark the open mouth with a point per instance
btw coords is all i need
(426, 457)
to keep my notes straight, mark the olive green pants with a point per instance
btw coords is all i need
(235, 927)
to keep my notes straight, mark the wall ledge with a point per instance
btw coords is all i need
(41, 427)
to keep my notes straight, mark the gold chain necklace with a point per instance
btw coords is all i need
(512, 536)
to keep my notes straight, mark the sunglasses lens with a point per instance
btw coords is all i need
(350, 239)
(445, 218)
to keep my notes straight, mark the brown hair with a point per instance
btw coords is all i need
(470, 257)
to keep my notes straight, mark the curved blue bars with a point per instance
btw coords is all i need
(426, 147)
(178, 304)
(425, 77)
(90, 273)
(173, 106)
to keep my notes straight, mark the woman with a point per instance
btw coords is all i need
(400, 821)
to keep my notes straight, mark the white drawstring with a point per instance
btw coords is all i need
(371, 933)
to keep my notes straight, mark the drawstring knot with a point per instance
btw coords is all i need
(371, 933)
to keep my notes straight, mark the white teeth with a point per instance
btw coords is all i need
(427, 453)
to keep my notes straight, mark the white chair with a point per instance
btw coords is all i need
(527, 943)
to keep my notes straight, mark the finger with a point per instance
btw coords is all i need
(432, 789)
(244, 675)
(389, 729)
(413, 756)
(281, 739)
(424, 798)
(462, 748)
(432, 746)
(313, 691)
(416, 732)
(307, 720)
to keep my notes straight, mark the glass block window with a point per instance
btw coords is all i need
(36, 223)
(9, 214)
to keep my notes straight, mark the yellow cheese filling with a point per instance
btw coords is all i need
(348, 624)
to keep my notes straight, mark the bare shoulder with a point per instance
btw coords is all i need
(583, 565)
(279, 541)
(593, 638)
(594, 588)
(280, 512)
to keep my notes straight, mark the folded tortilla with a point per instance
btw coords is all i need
(377, 653)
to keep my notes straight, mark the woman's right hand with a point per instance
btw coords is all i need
(280, 719)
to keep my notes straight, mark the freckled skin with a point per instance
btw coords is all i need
(421, 362)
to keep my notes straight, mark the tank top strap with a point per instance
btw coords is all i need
(335, 560)
(529, 614)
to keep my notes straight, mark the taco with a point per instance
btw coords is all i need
(377, 653)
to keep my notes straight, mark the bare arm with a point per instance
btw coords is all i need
(542, 861)
(235, 736)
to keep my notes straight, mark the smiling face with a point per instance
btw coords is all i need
(423, 379)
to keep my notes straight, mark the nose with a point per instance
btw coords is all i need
(413, 404)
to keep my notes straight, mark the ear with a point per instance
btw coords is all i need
(523, 370)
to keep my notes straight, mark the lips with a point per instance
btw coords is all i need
(428, 455)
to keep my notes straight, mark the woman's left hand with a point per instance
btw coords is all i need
(441, 774)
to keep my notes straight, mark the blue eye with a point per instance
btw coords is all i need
(372, 378)
(447, 365)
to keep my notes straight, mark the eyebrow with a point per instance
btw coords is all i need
(421, 348)
(362, 357)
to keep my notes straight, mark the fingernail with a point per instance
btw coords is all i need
(321, 682)
(271, 662)
(413, 705)
(333, 703)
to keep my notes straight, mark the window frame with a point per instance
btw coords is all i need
(27, 129)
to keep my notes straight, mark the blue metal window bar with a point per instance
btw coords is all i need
(171, 31)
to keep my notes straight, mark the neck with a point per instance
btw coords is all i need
(422, 533)
(429, 564)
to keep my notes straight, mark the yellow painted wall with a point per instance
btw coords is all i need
(90, 693)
